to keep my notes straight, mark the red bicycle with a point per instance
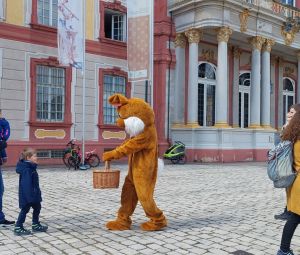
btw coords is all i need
(72, 156)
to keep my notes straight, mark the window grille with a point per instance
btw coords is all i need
(47, 11)
(50, 94)
(50, 154)
(112, 84)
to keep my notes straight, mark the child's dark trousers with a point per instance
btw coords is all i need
(35, 214)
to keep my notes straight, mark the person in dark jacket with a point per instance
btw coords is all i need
(4, 135)
(3, 221)
(29, 193)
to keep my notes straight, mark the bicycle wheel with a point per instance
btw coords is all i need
(93, 160)
(74, 162)
(65, 158)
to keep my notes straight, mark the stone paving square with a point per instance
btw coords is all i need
(211, 209)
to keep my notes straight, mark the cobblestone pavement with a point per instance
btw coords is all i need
(211, 209)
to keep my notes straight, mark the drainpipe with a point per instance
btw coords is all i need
(169, 82)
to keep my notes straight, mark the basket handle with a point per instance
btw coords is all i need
(107, 166)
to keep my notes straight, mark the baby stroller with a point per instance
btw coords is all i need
(176, 153)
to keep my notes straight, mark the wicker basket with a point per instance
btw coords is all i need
(107, 178)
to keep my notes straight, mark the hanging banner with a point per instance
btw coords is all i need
(139, 48)
(70, 33)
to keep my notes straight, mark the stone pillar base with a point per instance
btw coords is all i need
(222, 125)
(255, 126)
(178, 125)
(267, 127)
(192, 125)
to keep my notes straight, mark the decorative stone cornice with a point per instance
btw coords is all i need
(244, 20)
(223, 34)
(257, 42)
(180, 40)
(236, 52)
(194, 35)
(267, 46)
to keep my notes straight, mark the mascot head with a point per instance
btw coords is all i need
(134, 113)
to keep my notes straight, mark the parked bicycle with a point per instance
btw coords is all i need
(72, 156)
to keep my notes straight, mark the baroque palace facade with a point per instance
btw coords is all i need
(225, 74)
(237, 72)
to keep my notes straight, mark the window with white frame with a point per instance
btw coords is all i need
(288, 96)
(2, 9)
(50, 93)
(115, 25)
(244, 99)
(47, 12)
(206, 94)
(112, 84)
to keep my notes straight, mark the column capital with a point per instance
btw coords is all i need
(257, 42)
(180, 40)
(236, 52)
(194, 35)
(223, 34)
(267, 46)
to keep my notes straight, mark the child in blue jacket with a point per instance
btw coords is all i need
(29, 193)
(4, 135)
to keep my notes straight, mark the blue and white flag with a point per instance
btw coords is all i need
(70, 33)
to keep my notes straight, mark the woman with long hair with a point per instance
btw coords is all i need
(292, 133)
(293, 109)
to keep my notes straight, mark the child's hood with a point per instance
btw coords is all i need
(24, 165)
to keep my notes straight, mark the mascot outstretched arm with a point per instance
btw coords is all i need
(137, 117)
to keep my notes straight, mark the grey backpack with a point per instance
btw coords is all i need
(280, 165)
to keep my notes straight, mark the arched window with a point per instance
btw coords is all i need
(244, 99)
(288, 95)
(206, 94)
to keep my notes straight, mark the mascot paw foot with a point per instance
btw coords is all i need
(153, 226)
(118, 225)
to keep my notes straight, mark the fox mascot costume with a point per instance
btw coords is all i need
(137, 117)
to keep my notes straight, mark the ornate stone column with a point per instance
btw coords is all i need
(180, 43)
(266, 84)
(256, 43)
(193, 36)
(235, 91)
(222, 79)
(298, 84)
(281, 115)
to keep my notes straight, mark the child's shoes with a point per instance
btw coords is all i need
(21, 231)
(37, 227)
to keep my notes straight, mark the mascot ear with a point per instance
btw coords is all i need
(118, 100)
